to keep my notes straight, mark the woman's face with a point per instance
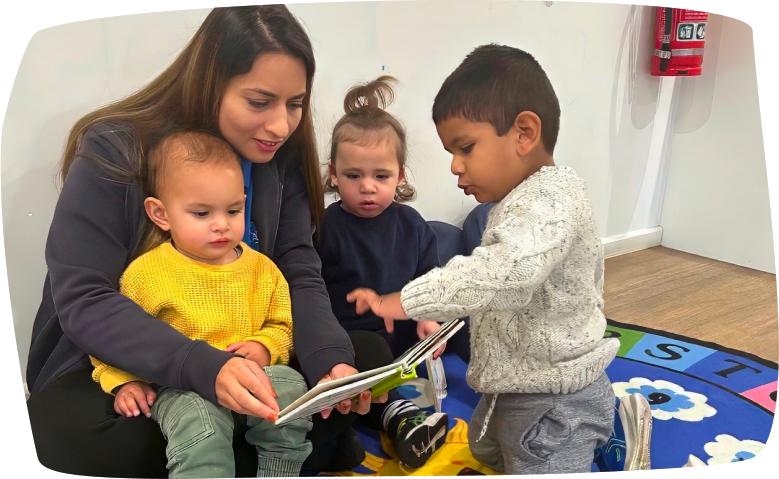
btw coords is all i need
(262, 108)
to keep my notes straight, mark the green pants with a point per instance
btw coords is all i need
(200, 434)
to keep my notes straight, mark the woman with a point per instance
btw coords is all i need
(246, 75)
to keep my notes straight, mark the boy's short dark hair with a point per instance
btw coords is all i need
(495, 84)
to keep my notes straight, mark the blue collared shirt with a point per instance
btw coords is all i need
(250, 232)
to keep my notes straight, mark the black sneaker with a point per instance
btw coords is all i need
(418, 435)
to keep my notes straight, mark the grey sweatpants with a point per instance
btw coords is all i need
(543, 433)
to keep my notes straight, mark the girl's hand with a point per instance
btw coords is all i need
(133, 396)
(425, 329)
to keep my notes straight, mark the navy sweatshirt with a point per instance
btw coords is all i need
(381, 253)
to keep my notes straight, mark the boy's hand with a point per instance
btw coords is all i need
(133, 396)
(251, 350)
(425, 329)
(386, 306)
(365, 300)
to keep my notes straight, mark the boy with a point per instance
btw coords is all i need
(533, 289)
(210, 286)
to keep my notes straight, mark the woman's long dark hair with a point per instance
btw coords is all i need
(188, 94)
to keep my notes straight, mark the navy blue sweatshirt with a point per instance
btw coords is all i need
(381, 253)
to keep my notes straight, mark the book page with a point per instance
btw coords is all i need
(416, 352)
(441, 336)
(336, 383)
(327, 394)
(323, 400)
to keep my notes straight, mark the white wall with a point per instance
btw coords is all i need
(596, 55)
(582, 47)
(67, 71)
(716, 203)
(607, 111)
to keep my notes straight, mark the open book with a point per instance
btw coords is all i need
(379, 380)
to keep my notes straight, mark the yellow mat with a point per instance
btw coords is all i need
(452, 458)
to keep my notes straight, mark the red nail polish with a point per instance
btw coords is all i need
(271, 417)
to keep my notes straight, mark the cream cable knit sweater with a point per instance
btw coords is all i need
(533, 290)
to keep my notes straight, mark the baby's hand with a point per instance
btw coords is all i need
(251, 350)
(425, 329)
(132, 396)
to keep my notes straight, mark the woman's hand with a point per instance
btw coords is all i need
(243, 387)
(133, 396)
(361, 406)
(425, 329)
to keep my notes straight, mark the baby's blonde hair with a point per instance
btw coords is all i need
(180, 148)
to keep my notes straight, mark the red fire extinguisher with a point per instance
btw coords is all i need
(679, 38)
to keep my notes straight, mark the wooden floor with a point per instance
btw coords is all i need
(696, 297)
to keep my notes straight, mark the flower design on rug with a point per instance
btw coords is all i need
(727, 449)
(667, 400)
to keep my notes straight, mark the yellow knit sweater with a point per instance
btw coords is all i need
(246, 300)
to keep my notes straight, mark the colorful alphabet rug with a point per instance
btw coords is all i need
(708, 401)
